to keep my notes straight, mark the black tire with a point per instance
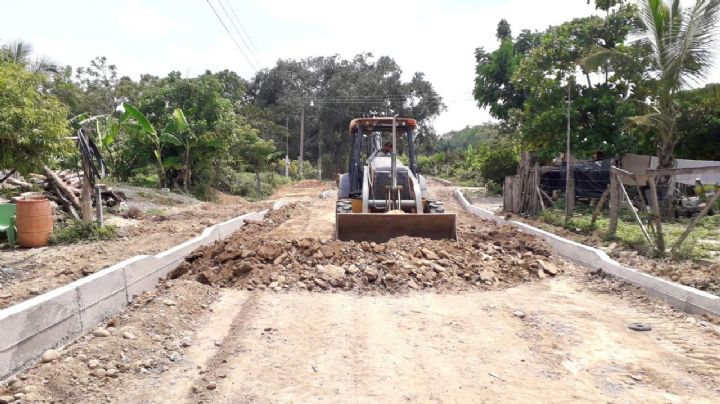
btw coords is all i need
(343, 206)
(433, 206)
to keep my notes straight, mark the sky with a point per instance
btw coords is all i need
(436, 37)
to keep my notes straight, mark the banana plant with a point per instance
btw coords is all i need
(143, 127)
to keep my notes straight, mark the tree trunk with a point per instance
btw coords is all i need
(665, 192)
(257, 182)
(186, 169)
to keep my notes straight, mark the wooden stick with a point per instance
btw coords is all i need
(68, 205)
(637, 218)
(61, 187)
(542, 203)
(696, 220)
(657, 218)
(7, 176)
(614, 205)
(681, 171)
(599, 206)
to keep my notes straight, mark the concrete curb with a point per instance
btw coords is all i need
(57, 317)
(442, 181)
(681, 297)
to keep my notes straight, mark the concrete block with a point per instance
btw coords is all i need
(25, 319)
(145, 273)
(208, 236)
(678, 296)
(27, 351)
(101, 295)
(33, 326)
(280, 204)
(256, 216)
(231, 226)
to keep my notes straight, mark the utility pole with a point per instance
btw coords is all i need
(302, 138)
(569, 177)
(287, 146)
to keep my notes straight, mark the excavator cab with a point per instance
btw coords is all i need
(380, 198)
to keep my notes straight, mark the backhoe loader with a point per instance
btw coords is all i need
(380, 198)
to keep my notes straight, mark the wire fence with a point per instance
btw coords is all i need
(615, 203)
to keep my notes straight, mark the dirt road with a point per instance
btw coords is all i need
(558, 339)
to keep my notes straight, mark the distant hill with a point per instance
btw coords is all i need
(461, 139)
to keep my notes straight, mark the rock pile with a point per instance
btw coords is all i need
(484, 257)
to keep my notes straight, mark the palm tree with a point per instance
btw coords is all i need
(20, 52)
(682, 42)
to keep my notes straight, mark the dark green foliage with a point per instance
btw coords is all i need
(503, 30)
(33, 123)
(699, 124)
(501, 160)
(77, 231)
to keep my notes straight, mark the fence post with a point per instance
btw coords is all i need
(614, 204)
(657, 217)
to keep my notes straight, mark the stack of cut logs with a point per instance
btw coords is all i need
(62, 187)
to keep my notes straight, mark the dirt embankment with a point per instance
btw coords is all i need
(164, 220)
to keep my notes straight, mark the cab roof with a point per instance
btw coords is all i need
(382, 123)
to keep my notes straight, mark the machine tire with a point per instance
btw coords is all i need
(343, 206)
(433, 206)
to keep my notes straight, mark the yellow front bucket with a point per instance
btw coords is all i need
(381, 227)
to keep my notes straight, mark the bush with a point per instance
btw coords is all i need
(500, 162)
(76, 231)
(245, 184)
(204, 192)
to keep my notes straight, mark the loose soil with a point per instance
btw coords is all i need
(25, 273)
(484, 257)
(557, 339)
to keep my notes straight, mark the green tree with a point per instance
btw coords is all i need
(503, 30)
(600, 105)
(33, 123)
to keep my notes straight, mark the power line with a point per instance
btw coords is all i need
(231, 36)
(252, 44)
(239, 34)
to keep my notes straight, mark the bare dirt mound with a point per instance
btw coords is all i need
(484, 257)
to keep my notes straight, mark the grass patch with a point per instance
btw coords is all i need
(156, 212)
(76, 231)
(629, 233)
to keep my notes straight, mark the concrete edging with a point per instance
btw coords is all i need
(55, 318)
(681, 297)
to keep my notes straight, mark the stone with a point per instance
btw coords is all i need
(301, 285)
(519, 314)
(50, 355)
(352, 269)
(168, 302)
(186, 342)
(6, 399)
(93, 364)
(29, 389)
(486, 276)
(372, 274)
(429, 254)
(269, 252)
(549, 268)
(128, 335)
(112, 372)
(332, 274)
(211, 386)
(101, 332)
(99, 372)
